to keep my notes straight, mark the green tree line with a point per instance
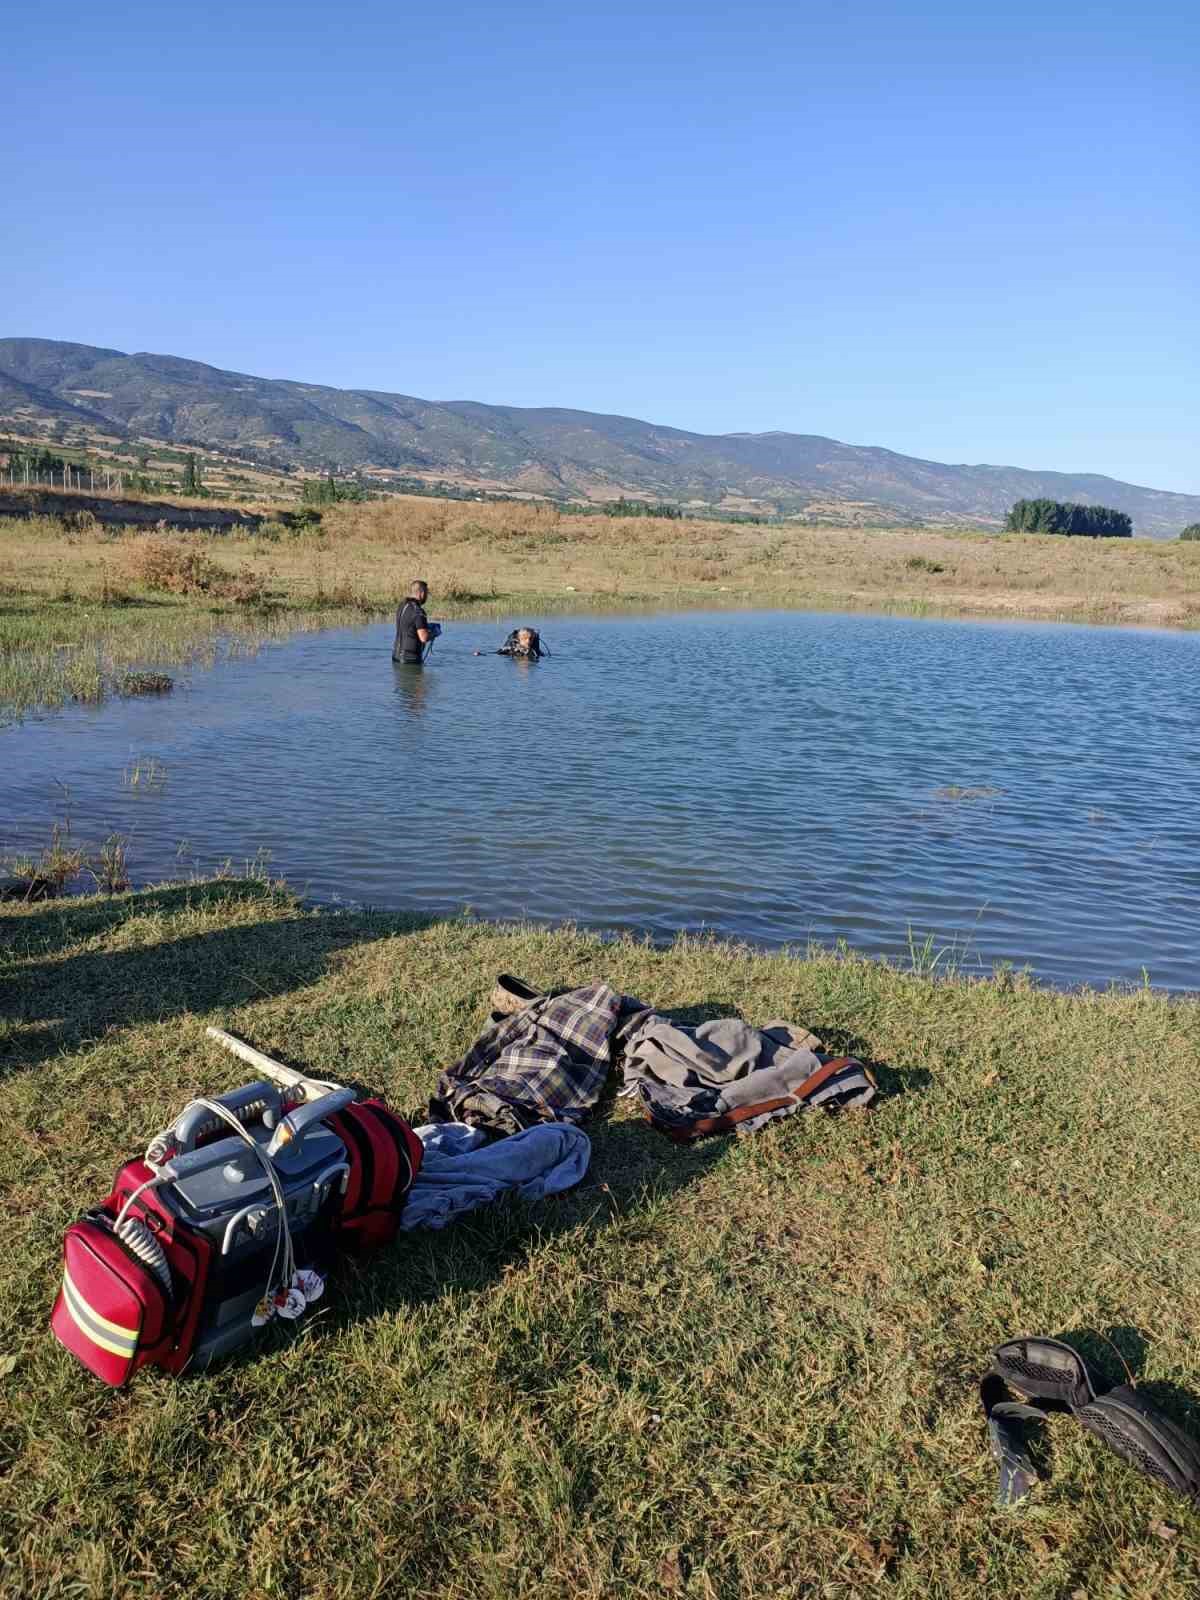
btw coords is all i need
(327, 491)
(36, 460)
(1061, 516)
(641, 508)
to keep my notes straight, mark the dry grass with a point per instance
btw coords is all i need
(742, 1369)
(90, 598)
(515, 550)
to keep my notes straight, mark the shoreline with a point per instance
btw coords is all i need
(79, 604)
(947, 964)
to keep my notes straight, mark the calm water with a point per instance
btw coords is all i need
(773, 776)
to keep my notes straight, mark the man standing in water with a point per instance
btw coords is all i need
(413, 628)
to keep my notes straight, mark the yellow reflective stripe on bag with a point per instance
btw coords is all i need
(111, 1336)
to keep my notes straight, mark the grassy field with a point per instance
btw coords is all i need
(76, 608)
(744, 1368)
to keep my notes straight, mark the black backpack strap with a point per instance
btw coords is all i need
(1141, 1435)
(1046, 1369)
(1006, 1419)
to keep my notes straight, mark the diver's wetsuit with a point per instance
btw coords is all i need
(408, 647)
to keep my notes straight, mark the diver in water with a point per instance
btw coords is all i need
(524, 644)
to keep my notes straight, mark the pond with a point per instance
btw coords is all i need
(974, 792)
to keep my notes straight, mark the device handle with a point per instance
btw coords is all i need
(295, 1125)
(196, 1118)
(186, 1164)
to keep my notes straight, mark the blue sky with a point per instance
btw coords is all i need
(968, 233)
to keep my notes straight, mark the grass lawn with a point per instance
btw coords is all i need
(80, 604)
(746, 1368)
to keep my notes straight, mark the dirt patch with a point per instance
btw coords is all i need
(125, 513)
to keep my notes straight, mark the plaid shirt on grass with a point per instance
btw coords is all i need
(547, 1063)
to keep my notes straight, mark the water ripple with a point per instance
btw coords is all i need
(1016, 793)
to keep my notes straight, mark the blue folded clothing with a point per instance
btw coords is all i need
(462, 1169)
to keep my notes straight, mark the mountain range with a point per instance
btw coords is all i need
(562, 454)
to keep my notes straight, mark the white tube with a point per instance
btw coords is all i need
(285, 1077)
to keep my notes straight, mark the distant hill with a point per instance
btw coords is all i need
(568, 455)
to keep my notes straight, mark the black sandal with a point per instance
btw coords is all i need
(1053, 1373)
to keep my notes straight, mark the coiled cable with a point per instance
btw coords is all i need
(283, 1260)
(136, 1236)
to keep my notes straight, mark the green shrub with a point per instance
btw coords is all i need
(1192, 531)
(642, 508)
(328, 491)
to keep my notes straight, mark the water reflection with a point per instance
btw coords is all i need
(412, 685)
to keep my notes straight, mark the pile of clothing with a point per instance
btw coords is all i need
(725, 1076)
(506, 1117)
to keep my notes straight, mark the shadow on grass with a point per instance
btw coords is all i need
(61, 1003)
(891, 1080)
(1115, 1354)
(633, 1169)
(702, 1011)
(55, 924)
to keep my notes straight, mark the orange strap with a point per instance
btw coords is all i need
(703, 1126)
